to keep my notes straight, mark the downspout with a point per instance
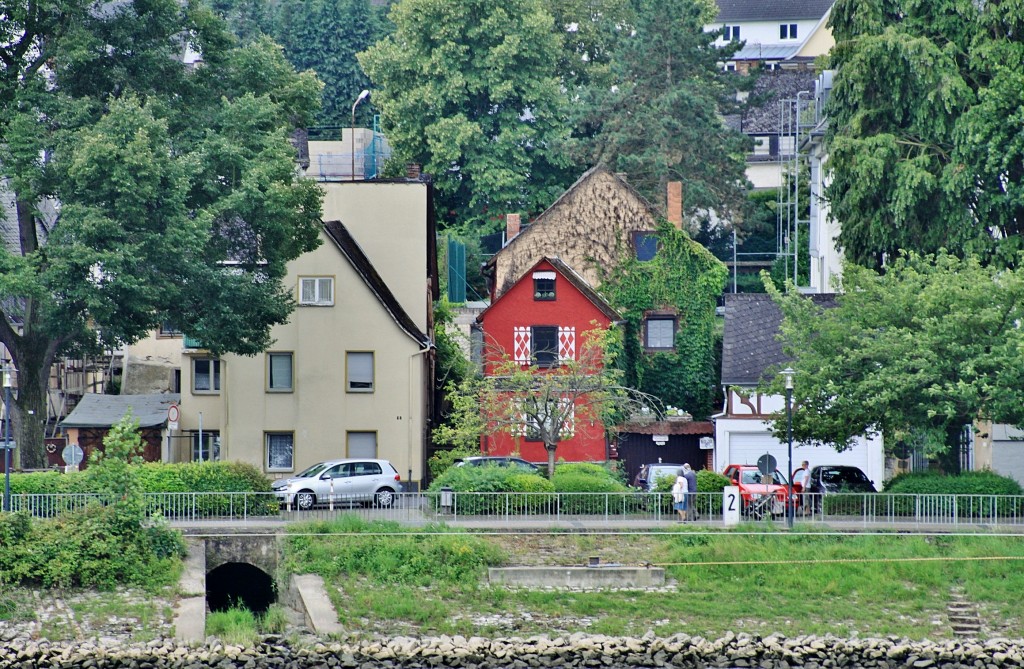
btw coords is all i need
(429, 346)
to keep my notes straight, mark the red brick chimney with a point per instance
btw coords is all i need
(675, 204)
(511, 227)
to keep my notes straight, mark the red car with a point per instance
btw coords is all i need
(758, 496)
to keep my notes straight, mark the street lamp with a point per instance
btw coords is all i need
(788, 373)
(7, 438)
(362, 96)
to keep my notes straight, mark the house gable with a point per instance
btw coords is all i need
(588, 227)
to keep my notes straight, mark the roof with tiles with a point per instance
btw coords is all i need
(772, 10)
(750, 344)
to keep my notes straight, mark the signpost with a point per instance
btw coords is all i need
(731, 505)
(72, 456)
(173, 414)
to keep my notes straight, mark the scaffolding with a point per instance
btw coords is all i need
(797, 118)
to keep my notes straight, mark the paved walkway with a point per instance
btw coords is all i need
(587, 524)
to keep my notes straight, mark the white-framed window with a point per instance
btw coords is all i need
(787, 31)
(544, 286)
(279, 372)
(316, 291)
(762, 145)
(280, 451)
(205, 375)
(359, 371)
(660, 333)
(207, 450)
(731, 33)
(561, 413)
(362, 444)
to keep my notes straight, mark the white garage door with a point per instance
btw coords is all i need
(745, 449)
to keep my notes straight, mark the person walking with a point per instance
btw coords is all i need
(691, 491)
(679, 496)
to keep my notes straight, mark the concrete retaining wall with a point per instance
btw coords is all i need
(586, 578)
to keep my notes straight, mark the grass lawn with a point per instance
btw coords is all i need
(853, 585)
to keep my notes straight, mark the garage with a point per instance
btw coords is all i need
(746, 448)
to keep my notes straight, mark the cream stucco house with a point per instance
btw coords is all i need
(349, 375)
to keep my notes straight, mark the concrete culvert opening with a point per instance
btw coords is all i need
(239, 584)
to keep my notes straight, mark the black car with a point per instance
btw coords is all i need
(497, 461)
(839, 478)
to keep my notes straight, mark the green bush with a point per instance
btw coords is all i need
(491, 479)
(968, 483)
(983, 484)
(158, 477)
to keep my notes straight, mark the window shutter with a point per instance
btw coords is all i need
(360, 371)
(521, 344)
(566, 343)
(569, 424)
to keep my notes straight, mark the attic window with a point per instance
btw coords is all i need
(543, 286)
(787, 31)
(731, 33)
(646, 245)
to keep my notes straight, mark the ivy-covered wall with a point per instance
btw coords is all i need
(686, 279)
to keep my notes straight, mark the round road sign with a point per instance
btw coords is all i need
(72, 454)
(766, 464)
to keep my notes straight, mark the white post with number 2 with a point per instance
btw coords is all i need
(731, 505)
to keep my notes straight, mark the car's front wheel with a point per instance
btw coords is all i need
(384, 497)
(305, 500)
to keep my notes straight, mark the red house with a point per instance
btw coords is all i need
(539, 321)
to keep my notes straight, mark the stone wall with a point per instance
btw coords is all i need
(576, 650)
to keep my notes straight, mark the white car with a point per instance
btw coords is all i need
(340, 481)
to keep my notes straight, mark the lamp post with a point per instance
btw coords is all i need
(7, 438)
(788, 373)
(362, 96)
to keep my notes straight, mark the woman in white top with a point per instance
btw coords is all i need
(679, 496)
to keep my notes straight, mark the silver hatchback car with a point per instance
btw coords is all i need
(341, 481)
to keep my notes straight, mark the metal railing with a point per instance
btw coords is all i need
(619, 509)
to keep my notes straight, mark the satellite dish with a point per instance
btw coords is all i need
(72, 454)
(766, 464)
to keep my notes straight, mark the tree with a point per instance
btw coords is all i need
(915, 354)
(924, 127)
(514, 399)
(660, 120)
(470, 91)
(145, 190)
(325, 36)
(682, 281)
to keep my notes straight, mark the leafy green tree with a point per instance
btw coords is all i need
(924, 127)
(146, 190)
(325, 36)
(513, 398)
(470, 91)
(684, 280)
(915, 354)
(660, 120)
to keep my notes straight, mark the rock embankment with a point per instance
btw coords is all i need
(576, 650)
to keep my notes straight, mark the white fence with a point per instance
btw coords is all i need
(619, 510)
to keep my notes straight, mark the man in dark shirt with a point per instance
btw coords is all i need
(691, 490)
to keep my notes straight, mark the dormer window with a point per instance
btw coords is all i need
(544, 286)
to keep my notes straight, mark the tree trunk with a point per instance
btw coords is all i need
(551, 458)
(33, 358)
(950, 458)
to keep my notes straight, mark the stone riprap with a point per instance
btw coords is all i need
(576, 650)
